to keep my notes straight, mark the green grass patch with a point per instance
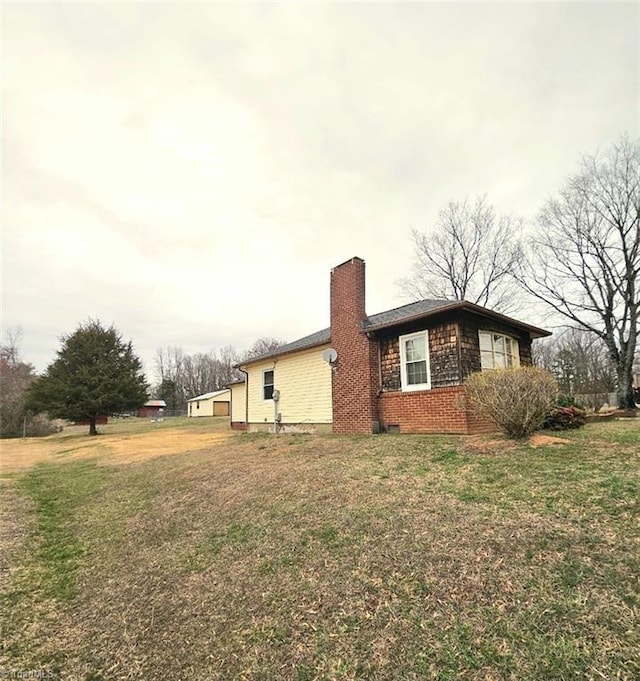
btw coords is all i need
(59, 493)
(234, 535)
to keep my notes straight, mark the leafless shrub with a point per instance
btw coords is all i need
(516, 399)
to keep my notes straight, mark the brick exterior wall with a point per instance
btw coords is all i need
(439, 410)
(356, 375)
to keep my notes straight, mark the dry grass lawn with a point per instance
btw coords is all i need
(307, 557)
(121, 441)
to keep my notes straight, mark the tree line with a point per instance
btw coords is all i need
(182, 376)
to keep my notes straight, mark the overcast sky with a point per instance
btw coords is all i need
(191, 172)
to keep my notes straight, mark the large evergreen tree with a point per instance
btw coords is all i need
(96, 373)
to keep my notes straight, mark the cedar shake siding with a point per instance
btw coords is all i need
(470, 325)
(444, 358)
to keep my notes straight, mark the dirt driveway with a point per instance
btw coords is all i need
(116, 447)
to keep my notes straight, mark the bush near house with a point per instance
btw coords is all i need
(565, 418)
(518, 400)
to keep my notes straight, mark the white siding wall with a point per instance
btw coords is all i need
(238, 403)
(304, 382)
(206, 406)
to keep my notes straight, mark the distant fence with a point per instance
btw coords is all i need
(596, 400)
(165, 413)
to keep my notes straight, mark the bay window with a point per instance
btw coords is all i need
(498, 351)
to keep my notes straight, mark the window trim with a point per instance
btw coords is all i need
(264, 385)
(404, 384)
(515, 343)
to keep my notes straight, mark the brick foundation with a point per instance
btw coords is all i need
(440, 410)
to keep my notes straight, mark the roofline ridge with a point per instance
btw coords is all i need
(422, 300)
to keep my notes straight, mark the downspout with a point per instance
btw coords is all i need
(379, 390)
(276, 400)
(372, 339)
(246, 397)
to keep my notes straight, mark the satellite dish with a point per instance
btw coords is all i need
(330, 355)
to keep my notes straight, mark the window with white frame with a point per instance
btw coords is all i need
(498, 351)
(414, 361)
(267, 384)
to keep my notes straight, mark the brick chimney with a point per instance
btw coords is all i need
(355, 379)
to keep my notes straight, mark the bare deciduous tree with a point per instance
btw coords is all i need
(579, 360)
(584, 260)
(469, 255)
(15, 378)
(263, 346)
(183, 376)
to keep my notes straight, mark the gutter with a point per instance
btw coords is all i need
(246, 395)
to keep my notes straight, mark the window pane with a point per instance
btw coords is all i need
(267, 383)
(417, 373)
(415, 349)
(485, 341)
(499, 360)
(486, 360)
(498, 343)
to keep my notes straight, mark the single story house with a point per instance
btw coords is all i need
(210, 404)
(152, 409)
(399, 370)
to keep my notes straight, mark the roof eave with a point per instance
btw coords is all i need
(534, 331)
(273, 355)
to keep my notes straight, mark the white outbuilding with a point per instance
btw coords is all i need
(210, 404)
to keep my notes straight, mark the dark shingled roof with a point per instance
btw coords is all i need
(399, 314)
(427, 308)
(405, 313)
(310, 341)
